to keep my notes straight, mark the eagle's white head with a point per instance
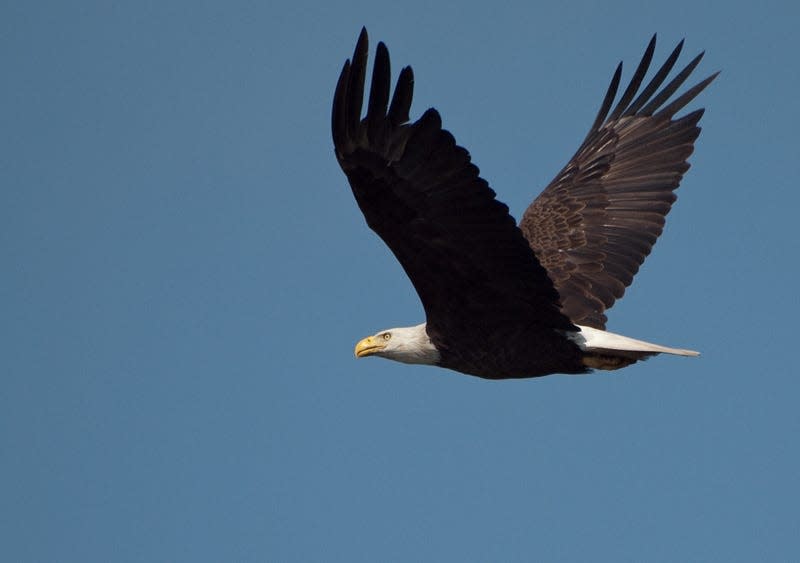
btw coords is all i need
(410, 345)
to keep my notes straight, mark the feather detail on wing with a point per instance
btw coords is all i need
(469, 262)
(597, 221)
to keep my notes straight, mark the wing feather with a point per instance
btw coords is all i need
(418, 190)
(597, 221)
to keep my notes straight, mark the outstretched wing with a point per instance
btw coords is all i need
(467, 259)
(593, 226)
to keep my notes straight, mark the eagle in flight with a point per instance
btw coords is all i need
(501, 299)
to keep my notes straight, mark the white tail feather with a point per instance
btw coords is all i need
(590, 339)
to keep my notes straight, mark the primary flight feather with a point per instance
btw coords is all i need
(501, 300)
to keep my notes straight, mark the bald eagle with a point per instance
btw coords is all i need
(504, 300)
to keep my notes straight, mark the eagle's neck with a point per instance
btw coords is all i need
(412, 345)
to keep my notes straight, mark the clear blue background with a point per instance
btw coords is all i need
(185, 272)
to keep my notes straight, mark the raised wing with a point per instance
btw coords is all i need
(593, 226)
(468, 261)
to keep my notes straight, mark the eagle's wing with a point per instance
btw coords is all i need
(467, 259)
(593, 226)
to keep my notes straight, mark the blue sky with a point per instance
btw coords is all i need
(186, 273)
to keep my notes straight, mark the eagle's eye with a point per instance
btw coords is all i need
(387, 335)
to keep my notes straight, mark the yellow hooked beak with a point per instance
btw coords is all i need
(369, 346)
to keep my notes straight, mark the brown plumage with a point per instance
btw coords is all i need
(593, 226)
(500, 300)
